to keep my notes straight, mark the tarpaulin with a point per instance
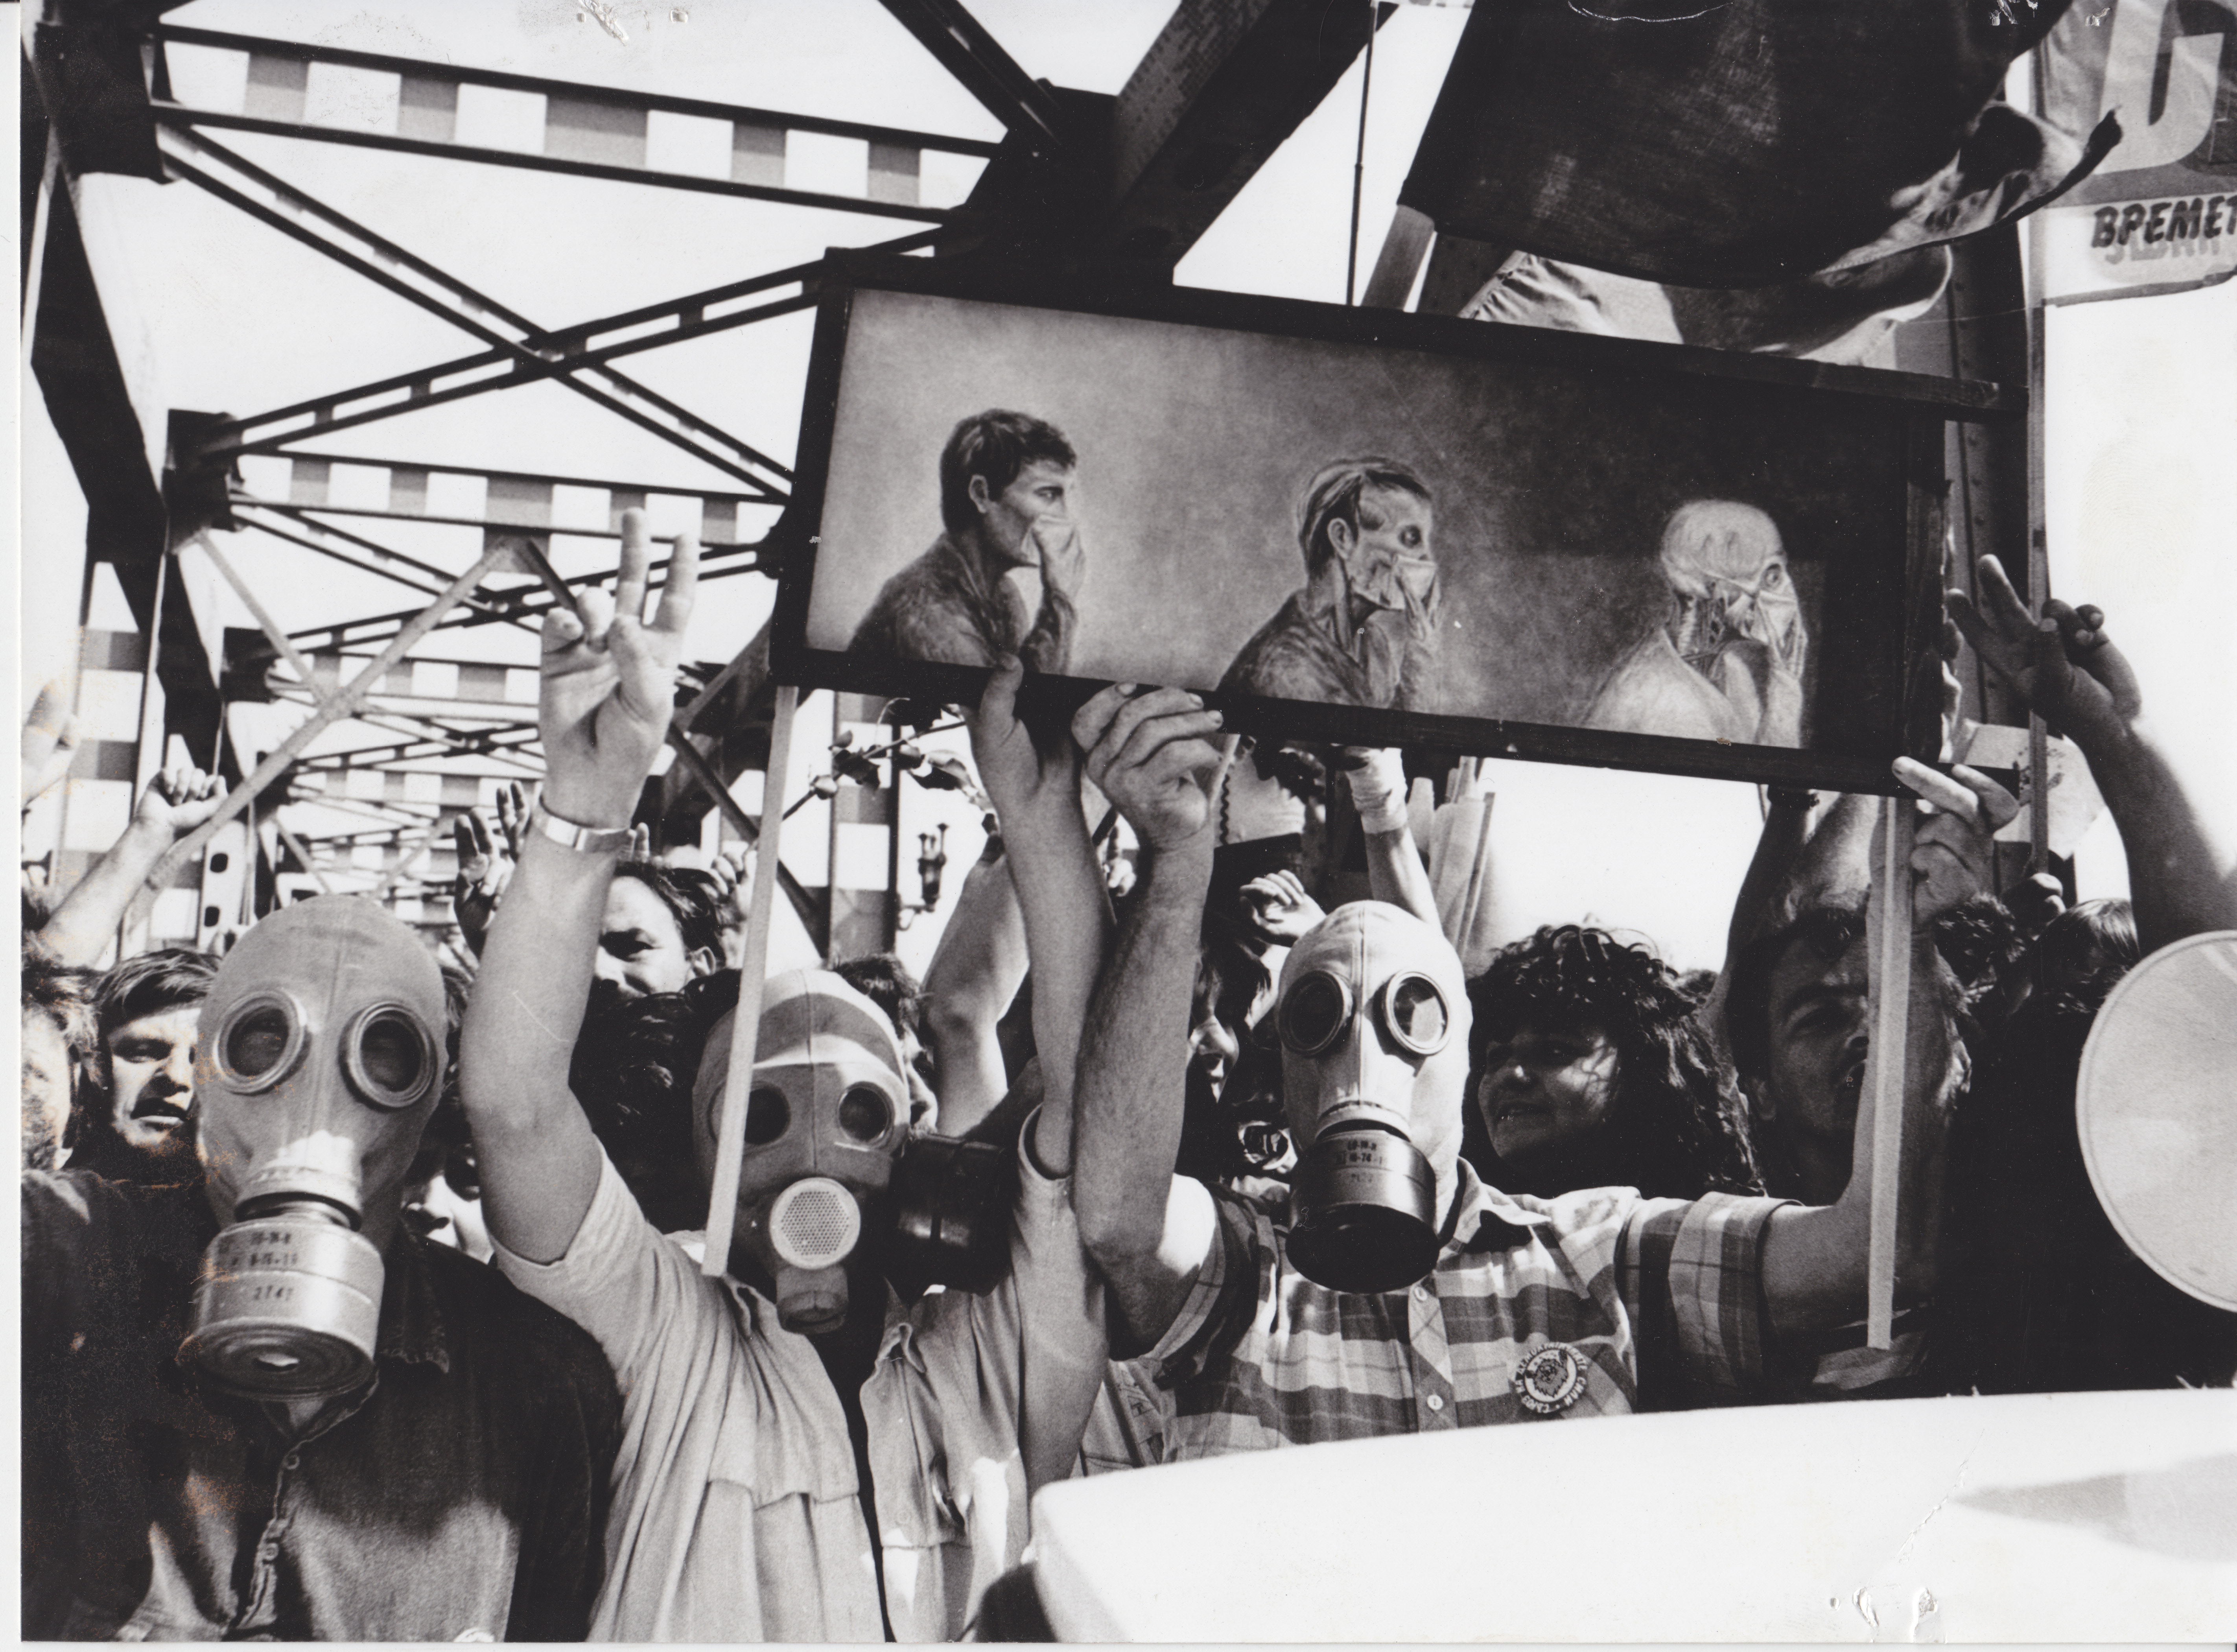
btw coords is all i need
(1845, 316)
(1757, 141)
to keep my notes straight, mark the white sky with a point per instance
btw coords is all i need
(2143, 409)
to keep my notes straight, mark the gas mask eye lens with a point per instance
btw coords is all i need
(259, 1041)
(1313, 1013)
(391, 1053)
(767, 1114)
(388, 1058)
(864, 1112)
(1414, 1010)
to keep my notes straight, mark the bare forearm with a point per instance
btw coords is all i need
(1068, 919)
(84, 924)
(2176, 881)
(977, 971)
(1755, 911)
(1133, 1059)
(537, 1165)
(1394, 873)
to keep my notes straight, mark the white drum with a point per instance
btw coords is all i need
(2156, 1107)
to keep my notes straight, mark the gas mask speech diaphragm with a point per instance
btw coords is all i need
(1373, 1021)
(322, 1056)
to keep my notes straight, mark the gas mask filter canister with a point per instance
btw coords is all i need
(322, 1056)
(825, 1121)
(1373, 1023)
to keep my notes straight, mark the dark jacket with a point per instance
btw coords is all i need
(461, 1494)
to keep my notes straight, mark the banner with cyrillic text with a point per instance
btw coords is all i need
(2160, 213)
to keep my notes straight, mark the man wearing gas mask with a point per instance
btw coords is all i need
(256, 1405)
(1404, 1295)
(1363, 630)
(777, 1417)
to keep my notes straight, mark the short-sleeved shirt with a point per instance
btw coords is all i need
(735, 1513)
(1661, 1301)
(460, 1495)
(957, 1374)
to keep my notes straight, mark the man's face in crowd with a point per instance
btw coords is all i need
(1547, 1089)
(1042, 492)
(446, 1209)
(1389, 556)
(151, 1064)
(46, 1090)
(1213, 1049)
(1817, 1047)
(924, 1105)
(641, 949)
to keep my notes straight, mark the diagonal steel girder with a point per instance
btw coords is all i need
(533, 601)
(312, 536)
(303, 218)
(650, 327)
(420, 748)
(333, 707)
(962, 46)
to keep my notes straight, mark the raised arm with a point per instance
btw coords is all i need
(1035, 790)
(1395, 872)
(1148, 1230)
(608, 691)
(974, 974)
(1815, 1257)
(2070, 672)
(176, 801)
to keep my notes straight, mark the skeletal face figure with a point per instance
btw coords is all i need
(1388, 559)
(1726, 567)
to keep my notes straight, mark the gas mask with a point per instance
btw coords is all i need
(660, 1061)
(1725, 564)
(825, 1121)
(1373, 1021)
(321, 1055)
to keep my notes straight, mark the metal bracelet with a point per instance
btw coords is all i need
(584, 840)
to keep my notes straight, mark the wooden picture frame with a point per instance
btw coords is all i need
(1571, 486)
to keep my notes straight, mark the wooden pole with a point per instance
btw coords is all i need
(1885, 1062)
(2038, 590)
(745, 1029)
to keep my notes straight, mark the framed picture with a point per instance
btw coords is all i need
(1365, 527)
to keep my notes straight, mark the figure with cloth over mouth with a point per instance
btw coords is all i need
(1008, 488)
(1362, 631)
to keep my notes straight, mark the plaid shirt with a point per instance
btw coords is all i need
(1662, 1299)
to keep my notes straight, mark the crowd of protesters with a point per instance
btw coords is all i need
(1151, 1167)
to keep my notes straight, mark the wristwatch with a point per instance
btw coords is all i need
(584, 840)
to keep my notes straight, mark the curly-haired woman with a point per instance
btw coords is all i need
(1590, 1072)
